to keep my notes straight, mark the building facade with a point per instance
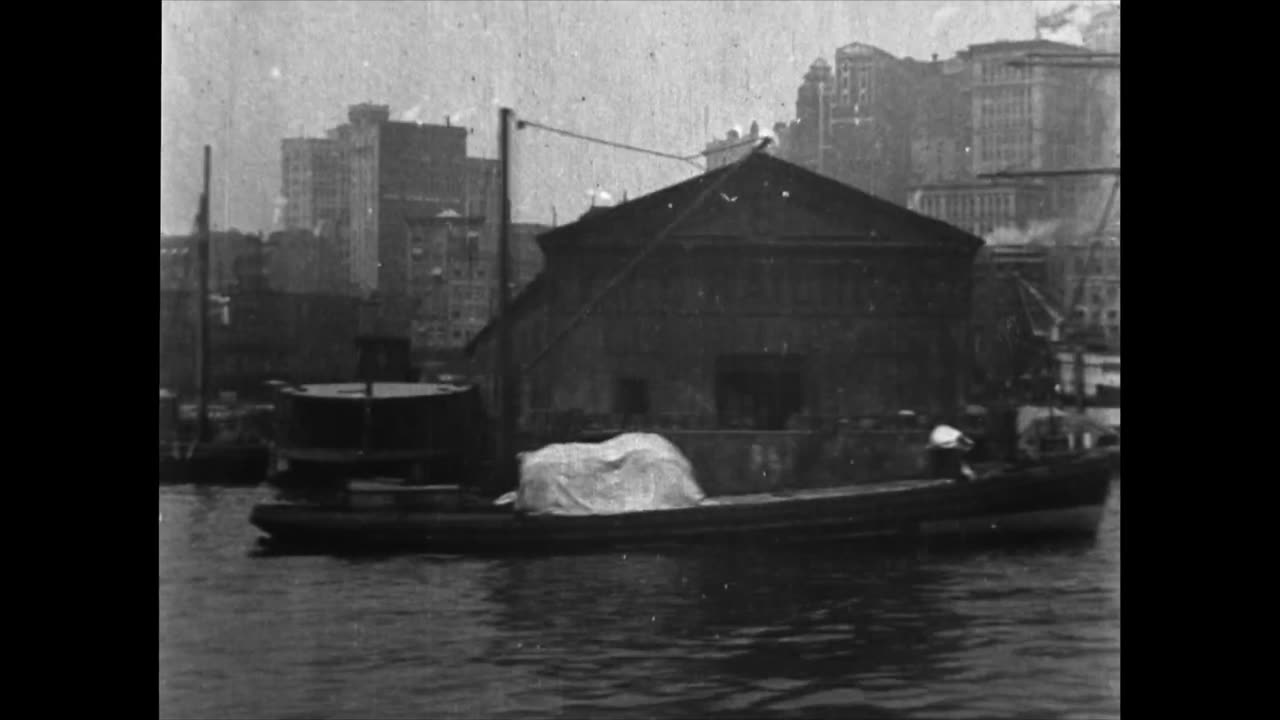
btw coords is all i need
(1036, 118)
(1012, 331)
(398, 169)
(355, 188)
(302, 262)
(769, 337)
(800, 297)
(236, 260)
(268, 335)
(942, 129)
(1029, 117)
(453, 275)
(855, 120)
(484, 187)
(312, 172)
(1084, 279)
(982, 208)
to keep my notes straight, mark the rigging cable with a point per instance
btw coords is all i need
(521, 124)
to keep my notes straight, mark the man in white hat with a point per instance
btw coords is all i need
(947, 447)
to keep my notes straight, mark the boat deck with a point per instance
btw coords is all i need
(843, 491)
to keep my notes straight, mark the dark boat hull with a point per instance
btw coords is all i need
(1064, 499)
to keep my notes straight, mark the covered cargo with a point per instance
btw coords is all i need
(633, 472)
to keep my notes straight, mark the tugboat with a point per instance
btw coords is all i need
(388, 426)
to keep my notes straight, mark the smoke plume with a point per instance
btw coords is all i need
(1065, 22)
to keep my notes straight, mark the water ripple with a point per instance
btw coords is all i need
(1032, 632)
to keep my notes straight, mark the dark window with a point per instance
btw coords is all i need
(631, 396)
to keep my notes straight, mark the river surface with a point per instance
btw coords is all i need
(1028, 632)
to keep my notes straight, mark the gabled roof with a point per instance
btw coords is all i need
(805, 187)
(862, 49)
(1024, 46)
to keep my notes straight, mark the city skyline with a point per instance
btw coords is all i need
(231, 70)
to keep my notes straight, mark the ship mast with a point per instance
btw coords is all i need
(502, 370)
(202, 308)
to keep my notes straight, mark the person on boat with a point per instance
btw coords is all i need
(947, 448)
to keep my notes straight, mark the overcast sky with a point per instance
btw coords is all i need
(240, 76)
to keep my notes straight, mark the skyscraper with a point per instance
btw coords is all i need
(397, 169)
(855, 121)
(311, 169)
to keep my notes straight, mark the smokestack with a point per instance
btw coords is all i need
(448, 122)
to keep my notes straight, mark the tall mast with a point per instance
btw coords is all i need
(202, 318)
(502, 369)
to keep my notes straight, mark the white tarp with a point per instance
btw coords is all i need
(633, 472)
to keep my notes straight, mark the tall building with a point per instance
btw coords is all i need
(811, 133)
(311, 170)
(1034, 118)
(398, 169)
(942, 128)
(855, 120)
(1030, 117)
(315, 186)
(354, 188)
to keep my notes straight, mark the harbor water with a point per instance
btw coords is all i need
(836, 631)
